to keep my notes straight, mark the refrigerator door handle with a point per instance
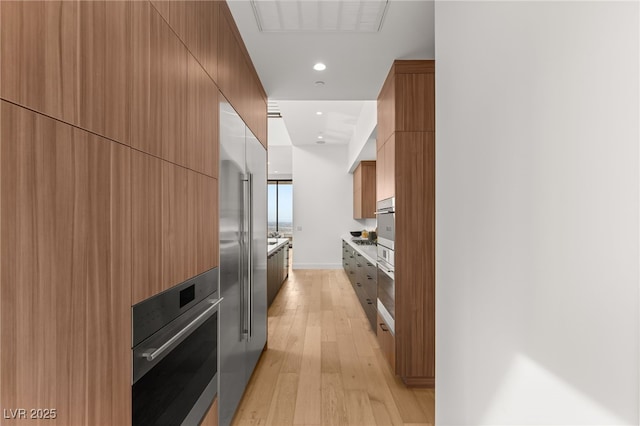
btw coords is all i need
(244, 258)
(246, 255)
(250, 256)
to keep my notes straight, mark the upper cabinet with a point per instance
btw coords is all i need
(237, 79)
(406, 103)
(364, 190)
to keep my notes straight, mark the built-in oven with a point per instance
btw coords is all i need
(175, 353)
(386, 215)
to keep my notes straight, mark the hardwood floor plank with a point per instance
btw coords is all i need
(359, 410)
(308, 399)
(334, 411)
(330, 362)
(283, 403)
(328, 326)
(352, 374)
(323, 364)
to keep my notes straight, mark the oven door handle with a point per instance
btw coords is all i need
(150, 356)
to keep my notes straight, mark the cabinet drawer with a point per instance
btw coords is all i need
(387, 342)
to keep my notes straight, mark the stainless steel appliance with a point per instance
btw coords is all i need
(243, 257)
(386, 214)
(175, 353)
(386, 260)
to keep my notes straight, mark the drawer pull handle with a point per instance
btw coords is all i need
(383, 327)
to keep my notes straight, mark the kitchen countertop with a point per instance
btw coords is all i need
(369, 252)
(278, 242)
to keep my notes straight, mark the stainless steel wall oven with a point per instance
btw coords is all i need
(175, 353)
(386, 260)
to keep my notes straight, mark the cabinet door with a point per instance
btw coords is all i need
(386, 110)
(387, 342)
(65, 280)
(357, 193)
(390, 167)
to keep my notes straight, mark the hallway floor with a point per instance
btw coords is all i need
(323, 365)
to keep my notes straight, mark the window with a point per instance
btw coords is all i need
(280, 208)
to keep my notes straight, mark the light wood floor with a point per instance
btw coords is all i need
(323, 365)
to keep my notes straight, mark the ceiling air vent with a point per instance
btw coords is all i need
(320, 15)
(273, 110)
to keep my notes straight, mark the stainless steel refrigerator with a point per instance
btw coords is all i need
(243, 257)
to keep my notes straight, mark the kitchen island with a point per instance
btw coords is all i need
(277, 266)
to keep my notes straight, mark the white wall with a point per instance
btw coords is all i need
(537, 213)
(322, 206)
(365, 125)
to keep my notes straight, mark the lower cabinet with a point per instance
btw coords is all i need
(277, 271)
(211, 418)
(362, 275)
(387, 341)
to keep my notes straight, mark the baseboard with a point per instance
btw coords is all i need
(316, 266)
(419, 382)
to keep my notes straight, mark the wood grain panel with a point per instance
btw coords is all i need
(211, 418)
(195, 22)
(386, 110)
(415, 254)
(146, 228)
(369, 190)
(202, 137)
(414, 66)
(178, 251)
(203, 197)
(65, 276)
(39, 56)
(118, 62)
(357, 193)
(415, 102)
(91, 61)
(174, 88)
(146, 110)
(237, 78)
(364, 190)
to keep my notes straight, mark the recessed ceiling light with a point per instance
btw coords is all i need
(319, 83)
(319, 113)
(319, 66)
(275, 171)
(319, 136)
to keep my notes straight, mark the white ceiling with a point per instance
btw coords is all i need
(357, 64)
(335, 125)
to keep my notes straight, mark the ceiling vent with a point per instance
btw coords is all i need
(363, 16)
(273, 110)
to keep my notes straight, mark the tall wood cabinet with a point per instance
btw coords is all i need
(65, 281)
(406, 171)
(108, 184)
(364, 190)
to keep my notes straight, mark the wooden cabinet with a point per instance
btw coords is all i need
(364, 190)
(211, 418)
(387, 341)
(385, 169)
(237, 79)
(277, 271)
(406, 171)
(362, 275)
(195, 23)
(68, 60)
(174, 224)
(65, 281)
